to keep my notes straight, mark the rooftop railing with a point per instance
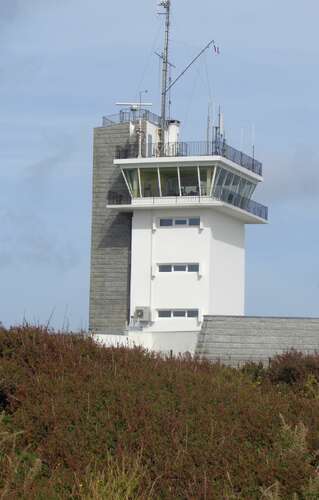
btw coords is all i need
(219, 194)
(201, 148)
(126, 116)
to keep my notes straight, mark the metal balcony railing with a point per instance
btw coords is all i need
(235, 199)
(201, 148)
(219, 194)
(127, 116)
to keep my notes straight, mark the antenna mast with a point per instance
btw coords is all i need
(166, 4)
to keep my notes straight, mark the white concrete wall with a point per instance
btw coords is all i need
(227, 266)
(152, 130)
(218, 246)
(168, 342)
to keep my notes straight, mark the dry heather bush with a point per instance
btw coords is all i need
(293, 368)
(18, 469)
(126, 422)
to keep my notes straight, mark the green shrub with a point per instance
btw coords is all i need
(293, 368)
(94, 422)
(255, 371)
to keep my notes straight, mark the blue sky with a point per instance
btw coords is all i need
(64, 64)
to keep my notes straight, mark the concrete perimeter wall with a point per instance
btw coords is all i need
(111, 237)
(234, 340)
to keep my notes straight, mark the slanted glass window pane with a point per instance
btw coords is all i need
(169, 182)
(149, 182)
(180, 267)
(235, 184)
(194, 221)
(166, 222)
(192, 313)
(193, 268)
(229, 180)
(179, 314)
(131, 176)
(180, 222)
(206, 178)
(165, 268)
(164, 313)
(221, 174)
(189, 181)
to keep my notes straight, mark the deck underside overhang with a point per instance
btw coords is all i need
(154, 204)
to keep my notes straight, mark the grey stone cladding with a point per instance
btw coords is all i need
(111, 237)
(233, 340)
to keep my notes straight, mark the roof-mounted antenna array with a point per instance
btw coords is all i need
(166, 87)
(166, 4)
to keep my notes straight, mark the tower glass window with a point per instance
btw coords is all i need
(235, 184)
(164, 313)
(149, 182)
(169, 182)
(131, 176)
(180, 268)
(206, 177)
(194, 221)
(192, 313)
(181, 222)
(166, 222)
(220, 177)
(193, 268)
(189, 181)
(165, 268)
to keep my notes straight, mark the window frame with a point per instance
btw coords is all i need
(194, 218)
(195, 264)
(167, 266)
(173, 265)
(196, 311)
(185, 266)
(179, 313)
(167, 219)
(173, 313)
(161, 311)
(187, 220)
(178, 220)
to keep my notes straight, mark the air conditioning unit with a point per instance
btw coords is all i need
(142, 314)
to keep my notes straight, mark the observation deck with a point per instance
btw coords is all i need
(191, 149)
(245, 209)
(176, 149)
(180, 174)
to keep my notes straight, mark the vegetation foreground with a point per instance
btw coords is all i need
(80, 421)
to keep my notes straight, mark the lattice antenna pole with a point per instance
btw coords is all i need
(166, 4)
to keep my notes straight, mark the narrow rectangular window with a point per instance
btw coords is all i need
(179, 314)
(165, 268)
(193, 268)
(180, 268)
(164, 313)
(166, 222)
(194, 221)
(192, 313)
(180, 222)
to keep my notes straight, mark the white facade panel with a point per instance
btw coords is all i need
(227, 266)
(166, 342)
(141, 261)
(217, 246)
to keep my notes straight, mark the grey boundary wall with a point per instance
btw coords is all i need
(111, 237)
(234, 340)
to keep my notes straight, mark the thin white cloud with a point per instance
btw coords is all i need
(292, 177)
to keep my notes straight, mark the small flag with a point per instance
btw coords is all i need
(216, 50)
